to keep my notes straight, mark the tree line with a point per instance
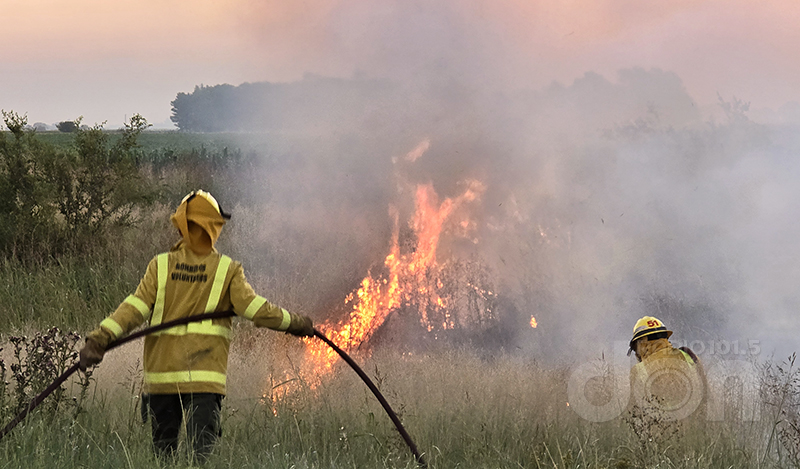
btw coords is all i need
(314, 102)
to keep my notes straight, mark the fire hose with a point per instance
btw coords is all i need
(216, 315)
(377, 394)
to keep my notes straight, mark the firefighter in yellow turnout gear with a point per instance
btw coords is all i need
(666, 377)
(185, 366)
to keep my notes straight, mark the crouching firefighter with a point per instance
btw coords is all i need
(666, 377)
(185, 366)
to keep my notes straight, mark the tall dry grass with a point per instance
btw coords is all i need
(464, 408)
(463, 411)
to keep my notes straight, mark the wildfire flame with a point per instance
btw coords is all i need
(406, 276)
(533, 322)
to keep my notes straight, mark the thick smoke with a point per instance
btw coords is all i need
(608, 198)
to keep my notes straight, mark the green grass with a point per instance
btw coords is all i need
(149, 140)
(75, 292)
(160, 140)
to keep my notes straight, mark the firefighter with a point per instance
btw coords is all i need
(666, 377)
(185, 366)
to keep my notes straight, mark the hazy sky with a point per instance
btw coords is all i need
(108, 60)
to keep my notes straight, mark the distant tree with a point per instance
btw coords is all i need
(208, 109)
(40, 127)
(736, 110)
(68, 126)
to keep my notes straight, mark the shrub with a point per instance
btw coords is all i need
(26, 216)
(55, 200)
(98, 186)
(38, 361)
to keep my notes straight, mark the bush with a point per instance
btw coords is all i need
(98, 186)
(38, 361)
(26, 217)
(56, 200)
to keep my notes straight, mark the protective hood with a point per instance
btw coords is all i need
(199, 220)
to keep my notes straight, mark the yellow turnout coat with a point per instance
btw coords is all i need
(183, 282)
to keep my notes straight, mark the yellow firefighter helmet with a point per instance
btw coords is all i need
(648, 325)
(210, 198)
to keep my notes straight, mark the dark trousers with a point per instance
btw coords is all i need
(166, 416)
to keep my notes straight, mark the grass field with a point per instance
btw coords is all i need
(173, 140)
(153, 139)
(465, 408)
(462, 411)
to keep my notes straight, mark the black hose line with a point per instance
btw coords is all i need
(377, 394)
(216, 315)
(38, 400)
(72, 369)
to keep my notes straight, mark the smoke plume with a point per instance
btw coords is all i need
(609, 196)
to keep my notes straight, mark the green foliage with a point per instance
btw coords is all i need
(98, 186)
(55, 200)
(26, 209)
(75, 292)
(207, 109)
(74, 208)
(15, 123)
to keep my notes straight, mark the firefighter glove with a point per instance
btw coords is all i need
(301, 326)
(91, 354)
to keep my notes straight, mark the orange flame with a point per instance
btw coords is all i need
(533, 322)
(406, 276)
